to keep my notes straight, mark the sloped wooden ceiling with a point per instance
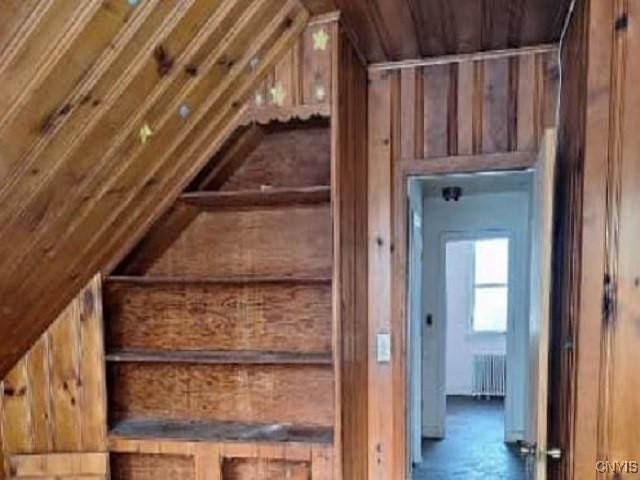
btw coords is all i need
(391, 30)
(108, 108)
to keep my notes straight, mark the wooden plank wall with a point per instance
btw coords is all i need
(350, 256)
(300, 84)
(54, 399)
(599, 146)
(80, 82)
(497, 105)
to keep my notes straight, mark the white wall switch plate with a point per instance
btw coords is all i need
(384, 348)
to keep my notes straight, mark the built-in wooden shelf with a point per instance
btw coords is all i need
(219, 431)
(258, 198)
(156, 280)
(218, 357)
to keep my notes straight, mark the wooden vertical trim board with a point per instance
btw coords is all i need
(208, 463)
(589, 327)
(92, 369)
(526, 104)
(379, 278)
(477, 108)
(66, 382)
(465, 114)
(39, 375)
(16, 418)
(512, 110)
(322, 464)
(452, 109)
(336, 204)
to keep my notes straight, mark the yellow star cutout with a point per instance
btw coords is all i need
(320, 39)
(145, 133)
(277, 95)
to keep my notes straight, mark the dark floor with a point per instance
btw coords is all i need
(473, 447)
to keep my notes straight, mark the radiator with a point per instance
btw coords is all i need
(489, 375)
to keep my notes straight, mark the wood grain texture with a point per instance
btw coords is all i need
(488, 106)
(79, 83)
(475, 112)
(226, 393)
(267, 469)
(63, 465)
(624, 357)
(349, 262)
(299, 86)
(598, 114)
(268, 317)
(125, 466)
(286, 158)
(243, 460)
(292, 241)
(54, 400)
(388, 31)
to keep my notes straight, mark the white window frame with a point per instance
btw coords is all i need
(475, 285)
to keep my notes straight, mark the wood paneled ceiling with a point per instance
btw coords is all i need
(391, 30)
(108, 108)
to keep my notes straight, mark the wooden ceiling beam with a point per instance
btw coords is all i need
(107, 187)
(116, 188)
(401, 30)
(53, 115)
(130, 190)
(83, 126)
(107, 149)
(48, 39)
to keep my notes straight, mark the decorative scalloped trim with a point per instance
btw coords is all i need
(267, 115)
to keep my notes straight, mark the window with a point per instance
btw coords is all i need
(490, 285)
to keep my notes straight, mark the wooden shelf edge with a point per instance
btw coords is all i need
(153, 280)
(218, 357)
(271, 197)
(220, 431)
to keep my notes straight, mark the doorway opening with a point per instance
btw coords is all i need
(470, 263)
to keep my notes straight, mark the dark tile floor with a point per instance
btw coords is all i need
(473, 448)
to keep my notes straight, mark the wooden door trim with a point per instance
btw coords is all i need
(402, 171)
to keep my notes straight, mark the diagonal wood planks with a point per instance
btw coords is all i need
(76, 183)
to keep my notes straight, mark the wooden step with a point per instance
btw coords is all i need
(239, 280)
(268, 197)
(218, 431)
(219, 357)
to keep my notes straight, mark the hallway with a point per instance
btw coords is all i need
(473, 448)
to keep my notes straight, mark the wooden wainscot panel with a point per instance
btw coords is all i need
(218, 316)
(294, 242)
(139, 459)
(264, 469)
(94, 466)
(241, 393)
(54, 399)
(145, 466)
